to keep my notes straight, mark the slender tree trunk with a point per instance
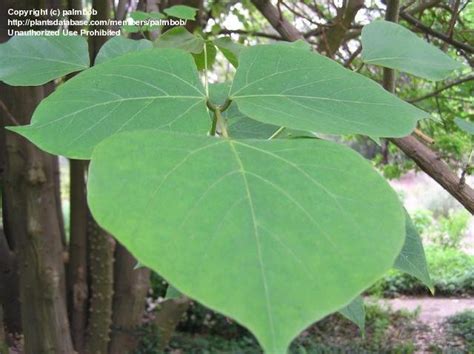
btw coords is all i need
(77, 272)
(77, 286)
(100, 244)
(130, 288)
(101, 255)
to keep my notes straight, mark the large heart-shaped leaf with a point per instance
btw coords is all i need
(292, 87)
(32, 61)
(155, 88)
(272, 233)
(118, 46)
(393, 46)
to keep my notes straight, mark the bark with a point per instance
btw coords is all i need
(77, 276)
(3, 339)
(30, 192)
(77, 287)
(423, 156)
(130, 289)
(101, 255)
(332, 38)
(100, 243)
(33, 228)
(281, 25)
(9, 291)
(168, 317)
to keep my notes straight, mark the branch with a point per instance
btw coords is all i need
(250, 33)
(282, 26)
(423, 156)
(418, 24)
(441, 89)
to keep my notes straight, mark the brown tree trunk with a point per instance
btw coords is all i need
(77, 287)
(130, 289)
(101, 256)
(100, 244)
(32, 205)
(33, 227)
(3, 339)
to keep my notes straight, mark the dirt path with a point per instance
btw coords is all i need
(431, 310)
(432, 313)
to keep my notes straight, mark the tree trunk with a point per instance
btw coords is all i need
(101, 256)
(32, 224)
(100, 244)
(130, 289)
(77, 287)
(32, 208)
(3, 341)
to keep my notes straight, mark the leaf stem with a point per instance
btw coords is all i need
(206, 81)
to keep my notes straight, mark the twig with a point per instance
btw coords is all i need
(418, 24)
(441, 89)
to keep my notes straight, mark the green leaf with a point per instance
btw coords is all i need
(33, 61)
(299, 44)
(465, 125)
(179, 37)
(230, 49)
(211, 57)
(295, 88)
(118, 46)
(181, 11)
(393, 46)
(355, 312)
(412, 258)
(292, 220)
(149, 89)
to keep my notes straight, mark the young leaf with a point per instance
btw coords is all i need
(465, 125)
(295, 88)
(412, 258)
(118, 46)
(181, 11)
(355, 312)
(211, 57)
(293, 220)
(179, 37)
(393, 46)
(148, 89)
(33, 61)
(230, 49)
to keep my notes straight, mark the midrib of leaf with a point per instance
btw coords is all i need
(257, 241)
(431, 63)
(47, 59)
(317, 98)
(110, 102)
